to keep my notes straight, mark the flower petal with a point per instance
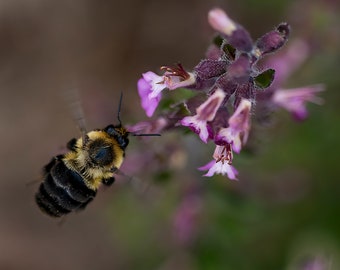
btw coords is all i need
(156, 83)
(198, 126)
(294, 100)
(220, 21)
(239, 124)
(176, 82)
(207, 110)
(207, 166)
(148, 104)
(220, 168)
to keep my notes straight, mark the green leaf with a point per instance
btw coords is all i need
(171, 99)
(265, 79)
(181, 109)
(229, 51)
(218, 40)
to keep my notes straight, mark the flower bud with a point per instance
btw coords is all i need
(239, 70)
(241, 40)
(213, 52)
(220, 120)
(207, 68)
(235, 34)
(220, 21)
(245, 91)
(227, 84)
(273, 40)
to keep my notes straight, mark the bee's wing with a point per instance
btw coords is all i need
(73, 99)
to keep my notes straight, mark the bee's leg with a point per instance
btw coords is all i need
(108, 181)
(83, 205)
(71, 145)
(85, 139)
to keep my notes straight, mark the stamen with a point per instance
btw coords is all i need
(177, 71)
(225, 158)
(229, 157)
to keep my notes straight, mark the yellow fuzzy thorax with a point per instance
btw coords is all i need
(79, 159)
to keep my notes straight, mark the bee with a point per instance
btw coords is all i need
(70, 181)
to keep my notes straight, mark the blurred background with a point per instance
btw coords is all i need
(283, 213)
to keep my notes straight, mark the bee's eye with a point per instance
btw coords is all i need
(123, 141)
(111, 130)
(100, 154)
(119, 133)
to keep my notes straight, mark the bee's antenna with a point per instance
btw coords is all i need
(119, 107)
(145, 135)
(120, 122)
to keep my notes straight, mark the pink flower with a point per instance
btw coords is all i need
(237, 132)
(220, 21)
(152, 126)
(204, 113)
(185, 221)
(294, 100)
(287, 62)
(151, 85)
(236, 35)
(221, 163)
(177, 77)
(149, 89)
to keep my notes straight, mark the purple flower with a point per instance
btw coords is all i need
(204, 113)
(151, 85)
(221, 163)
(294, 100)
(237, 132)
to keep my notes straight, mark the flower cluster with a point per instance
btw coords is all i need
(232, 83)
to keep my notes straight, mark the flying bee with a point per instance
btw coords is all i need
(70, 181)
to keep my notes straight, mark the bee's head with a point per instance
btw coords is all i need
(119, 133)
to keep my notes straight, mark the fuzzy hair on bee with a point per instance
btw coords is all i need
(70, 181)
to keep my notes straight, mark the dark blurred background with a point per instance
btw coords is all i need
(283, 213)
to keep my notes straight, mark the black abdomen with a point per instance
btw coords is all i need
(62, 190)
